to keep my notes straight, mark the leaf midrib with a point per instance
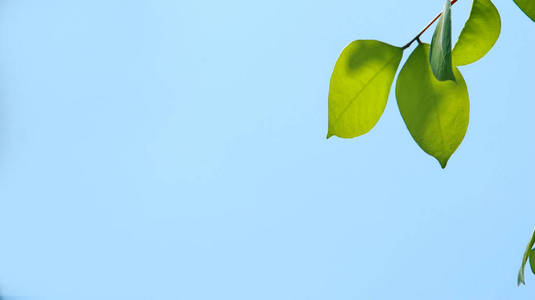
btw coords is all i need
(389, 62)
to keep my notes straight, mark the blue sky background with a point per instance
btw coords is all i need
(176, 150)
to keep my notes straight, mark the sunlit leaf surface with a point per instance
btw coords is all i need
(479, 34)
(360, 85)
(435, 112)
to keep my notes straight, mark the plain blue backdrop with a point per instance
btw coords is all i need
(176, 150)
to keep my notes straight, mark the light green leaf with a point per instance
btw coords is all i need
(435, 112)
(440, 54)
(360, 85)
(525, 260)
(528, 7)
(479, 34)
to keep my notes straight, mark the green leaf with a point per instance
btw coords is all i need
(532, 260)
(525, 260)
(440, 54)
(360, 85)
(435, 112)
(479, 34)
(528, 7)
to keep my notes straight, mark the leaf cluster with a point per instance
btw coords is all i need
(431, 92)
(528, 254)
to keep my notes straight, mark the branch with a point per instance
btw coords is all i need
(417, 37)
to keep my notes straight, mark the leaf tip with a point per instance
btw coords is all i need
(443, 162)
(441, 76)
(520, 280)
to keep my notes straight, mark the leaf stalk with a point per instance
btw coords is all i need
(417, 37)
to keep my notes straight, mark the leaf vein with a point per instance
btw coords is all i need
(389, 62)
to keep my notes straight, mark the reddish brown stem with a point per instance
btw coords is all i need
(417, 37)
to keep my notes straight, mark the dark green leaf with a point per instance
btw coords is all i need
(525, 260)
(440, 53)
(479, 34)
(528, 7)
(532, 260)
(360, 85)
(435, 112)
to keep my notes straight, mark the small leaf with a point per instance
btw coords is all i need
(435, 112)
(440, 54)
(525, 260)
(479, 34)
(360, 85)
(532, 260)
(528, 7)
